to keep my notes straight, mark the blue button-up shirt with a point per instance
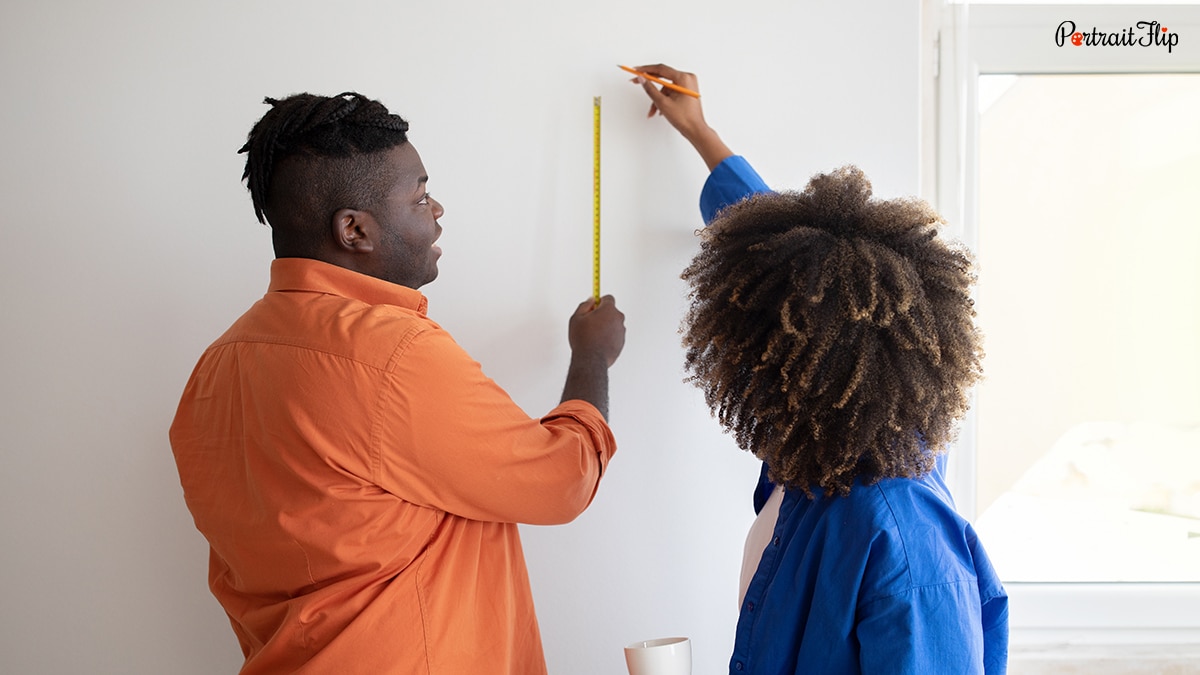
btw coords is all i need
(890, 579)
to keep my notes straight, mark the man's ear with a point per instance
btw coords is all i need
(354, 230)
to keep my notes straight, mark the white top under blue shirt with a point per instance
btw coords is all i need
(890, 579)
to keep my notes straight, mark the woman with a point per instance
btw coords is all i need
(833, 335)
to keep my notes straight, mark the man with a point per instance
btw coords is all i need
(833, 336)
(358, 478)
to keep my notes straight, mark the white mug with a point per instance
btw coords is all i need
(664, 656)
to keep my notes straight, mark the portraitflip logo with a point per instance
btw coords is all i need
(1145, 34)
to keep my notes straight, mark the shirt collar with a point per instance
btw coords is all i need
(304, 274)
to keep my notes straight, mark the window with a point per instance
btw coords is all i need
(1089, 362)
(1089, 249)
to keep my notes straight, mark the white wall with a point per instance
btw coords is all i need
(129, 244)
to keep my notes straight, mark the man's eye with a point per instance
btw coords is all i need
(424, 198)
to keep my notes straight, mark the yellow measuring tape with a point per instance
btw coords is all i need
(596, 199)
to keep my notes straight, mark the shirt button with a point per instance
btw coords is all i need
(776, 542)
(738, 665)
(750, 606)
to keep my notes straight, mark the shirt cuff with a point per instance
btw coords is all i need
(729, 183)
(586, 415)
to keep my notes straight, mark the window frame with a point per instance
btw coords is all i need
(966, 41)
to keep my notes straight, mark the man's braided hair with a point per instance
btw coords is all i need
(833, 334)
(311, 155)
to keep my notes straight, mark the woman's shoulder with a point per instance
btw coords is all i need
(920, 540)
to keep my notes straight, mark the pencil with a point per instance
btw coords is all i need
(669, 85)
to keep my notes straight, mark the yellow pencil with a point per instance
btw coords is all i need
(669, 85)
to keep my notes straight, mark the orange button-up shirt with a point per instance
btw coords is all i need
(359, 480)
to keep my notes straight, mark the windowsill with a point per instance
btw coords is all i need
(1104, 629)
(1104, 652)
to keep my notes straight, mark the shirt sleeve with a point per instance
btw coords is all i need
(729, 183)
(450, 438)
(927, 629)
(995, 635)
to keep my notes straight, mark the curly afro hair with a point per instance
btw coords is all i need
(833, 334)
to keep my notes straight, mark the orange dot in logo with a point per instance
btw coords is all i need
(1164, 29)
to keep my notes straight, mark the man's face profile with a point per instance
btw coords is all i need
(407, 222)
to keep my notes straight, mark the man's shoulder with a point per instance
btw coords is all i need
(332, 325)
